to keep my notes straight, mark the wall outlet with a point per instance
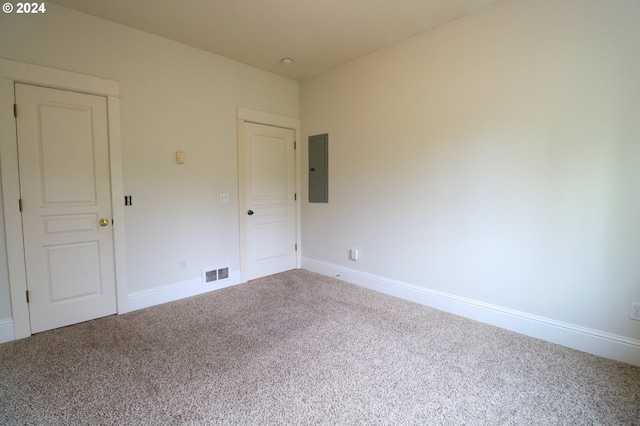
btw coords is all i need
(635, 311)
(183, 264)
(354, 254)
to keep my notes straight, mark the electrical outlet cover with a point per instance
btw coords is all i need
(635, 311)
(354, 254)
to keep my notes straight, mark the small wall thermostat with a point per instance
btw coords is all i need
(180, 157)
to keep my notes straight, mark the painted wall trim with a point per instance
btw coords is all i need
(6, 330)
(116, 168)
(61, 79)
(12, 216)
(261, 117)
(172, 292)
(573, 336)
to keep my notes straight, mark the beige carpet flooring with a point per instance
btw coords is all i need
(297, 349)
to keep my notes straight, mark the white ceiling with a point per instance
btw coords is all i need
(316, 34)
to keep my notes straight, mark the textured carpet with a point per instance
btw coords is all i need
(300, 348)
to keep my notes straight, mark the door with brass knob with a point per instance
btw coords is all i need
(69, 260)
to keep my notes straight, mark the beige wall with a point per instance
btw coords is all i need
(495, 158)
(173, 98)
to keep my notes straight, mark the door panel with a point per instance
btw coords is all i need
(270, 167)
(73, 271)
(69, 224)
(270, 198)
(63, 148)
(67, 171)
(276, 236)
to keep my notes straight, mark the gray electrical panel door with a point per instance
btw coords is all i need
(319, 168)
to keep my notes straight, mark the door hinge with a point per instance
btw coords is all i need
(295, 197)
(294, 145)
(27, 292)
(296, 246)
(15, 110)
(20, 204)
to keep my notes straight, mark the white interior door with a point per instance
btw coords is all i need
(63, 149)
(269, 199)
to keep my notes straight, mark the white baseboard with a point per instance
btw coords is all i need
(156, 296)
(6, 330)
(583, 339)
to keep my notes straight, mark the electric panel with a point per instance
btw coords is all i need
(319, 168)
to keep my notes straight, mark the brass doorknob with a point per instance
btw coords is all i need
(104, 221)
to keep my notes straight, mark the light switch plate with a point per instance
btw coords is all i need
(180, 157)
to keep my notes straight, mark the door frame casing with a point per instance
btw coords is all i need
(12, 72)
(246, 115)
